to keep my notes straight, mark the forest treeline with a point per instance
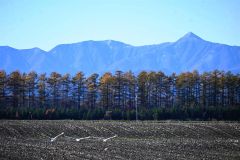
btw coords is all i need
(189, 95)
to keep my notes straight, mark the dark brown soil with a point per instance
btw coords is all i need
(136, 140)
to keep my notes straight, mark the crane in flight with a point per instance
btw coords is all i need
(54, 138)
(78, 139)
(106, 139)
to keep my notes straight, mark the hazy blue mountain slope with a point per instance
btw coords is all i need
(186, 54)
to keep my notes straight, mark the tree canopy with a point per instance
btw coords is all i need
(189, 95)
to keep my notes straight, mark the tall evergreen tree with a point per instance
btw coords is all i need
(65, 90)
(42, 90)
(54, 82)
(30, 82)
(92, 87)
(105, 87)
(129, 90)
(118, 86)
(79, 88)
(142, 88)
(3, 88)
(14, 86)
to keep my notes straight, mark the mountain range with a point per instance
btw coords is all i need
(186, 54)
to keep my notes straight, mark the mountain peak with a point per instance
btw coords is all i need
(191, 35)
(113, 43)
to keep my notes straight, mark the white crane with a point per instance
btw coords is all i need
(78, 139)
(105, 140)
(53, 139)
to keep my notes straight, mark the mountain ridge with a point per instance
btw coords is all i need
(191, 33)
(188, 53)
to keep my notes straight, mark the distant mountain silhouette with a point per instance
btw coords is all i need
(186, 54)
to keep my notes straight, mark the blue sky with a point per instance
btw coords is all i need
(46, 23)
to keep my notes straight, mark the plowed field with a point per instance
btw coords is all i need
(135, 140)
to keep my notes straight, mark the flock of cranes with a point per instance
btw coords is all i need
(82, 138)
